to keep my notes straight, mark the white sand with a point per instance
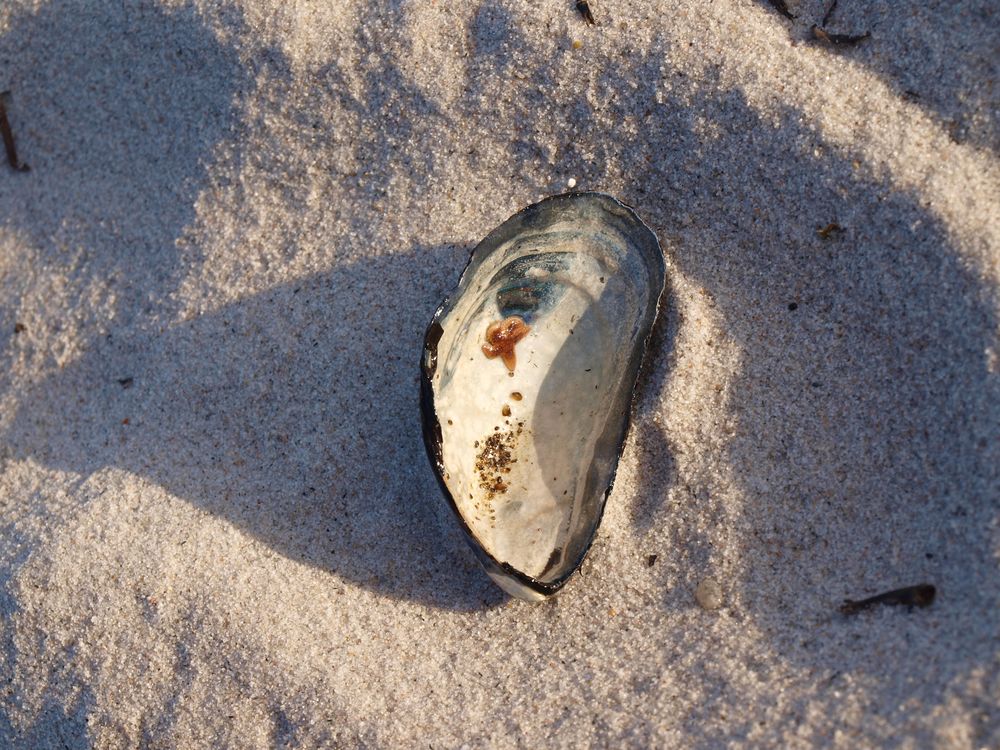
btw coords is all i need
(252, 212)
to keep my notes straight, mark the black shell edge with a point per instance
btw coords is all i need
(431, 426)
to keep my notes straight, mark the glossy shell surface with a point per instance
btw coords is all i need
(528, 373)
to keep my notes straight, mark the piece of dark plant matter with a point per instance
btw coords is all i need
(8, 138)
(830, 230)
(829, 13)
(584, 7)
(921, 595)
(782, 8)
(838, 40)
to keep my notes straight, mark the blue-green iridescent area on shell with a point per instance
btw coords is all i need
(523, 291)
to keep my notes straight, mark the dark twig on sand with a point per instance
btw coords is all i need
(831, 229)
(838, 40)
(584, 7)
(921, 595)
(782, 8)
(8, 138)
(829, 14)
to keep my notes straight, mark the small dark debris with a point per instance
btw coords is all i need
(782, 8)
(911, 94)
(838, 40)
(20, 328)
(584, 7)
(921, 595)
(816, 384)
(829, 13)
(793, 306)
(829, 230)
(651, 560)
(125, 382)
(8, 138)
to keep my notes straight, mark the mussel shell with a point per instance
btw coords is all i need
(526, 270)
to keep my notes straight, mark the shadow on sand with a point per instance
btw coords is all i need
(269, 411)
(953, 78)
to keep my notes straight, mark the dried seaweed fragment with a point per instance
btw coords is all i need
(921, 595)
(838, 40)
(829, 13)
(830, 230)
(782, 8)
(8, 138)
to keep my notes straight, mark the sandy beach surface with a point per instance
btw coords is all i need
(218, 527)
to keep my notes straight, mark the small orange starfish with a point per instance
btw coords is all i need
(501, 338)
